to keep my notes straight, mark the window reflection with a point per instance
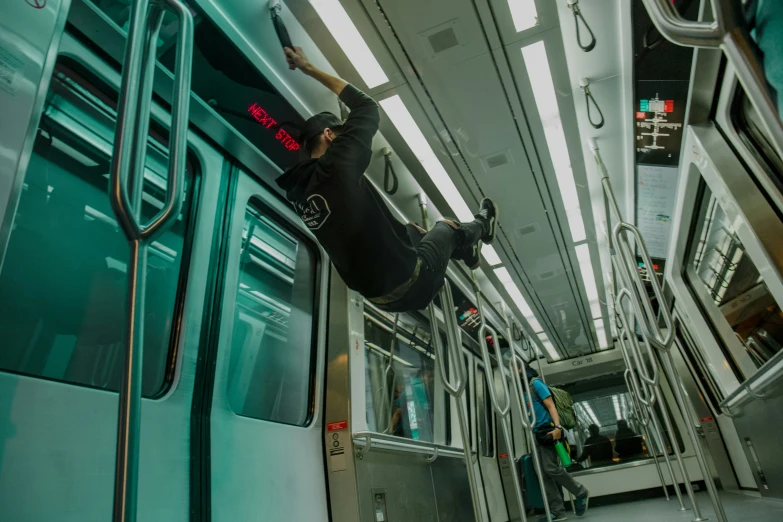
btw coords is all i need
(409, 410)
(273, 343)
(735, 287)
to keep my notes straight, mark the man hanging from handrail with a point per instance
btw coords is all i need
(396, 267)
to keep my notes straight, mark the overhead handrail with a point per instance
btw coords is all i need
(584, 84)
(573, 5)
(724, 33)
(456, 382)
(133, 110)
(390, 181)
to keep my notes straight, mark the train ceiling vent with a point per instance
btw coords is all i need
(526, 230)
(496, 160)
(549, 274)
(443, 38)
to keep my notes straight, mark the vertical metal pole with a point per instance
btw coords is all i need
(454, 352)
(514, 473)
(662, 444)
(668, 368)
(127, 466)
(678, 454)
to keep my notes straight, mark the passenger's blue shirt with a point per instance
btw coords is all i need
(541, 392)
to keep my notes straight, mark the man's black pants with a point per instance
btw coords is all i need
(435, 249)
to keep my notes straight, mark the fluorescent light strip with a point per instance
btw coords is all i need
(617, 411)
(406, 125)
(524, 14)
(591, 413)
(600, 331)
(550, 349)
(353, 45)
(518, 298)
(540, 76)
(489, 253)
(586, 267)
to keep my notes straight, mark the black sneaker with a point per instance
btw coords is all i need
(489, 211)
(470, 255)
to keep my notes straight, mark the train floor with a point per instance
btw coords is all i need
(739, 507)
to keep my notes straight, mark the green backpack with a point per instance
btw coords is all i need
(565, 406)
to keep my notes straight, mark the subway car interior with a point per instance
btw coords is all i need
(150, 366)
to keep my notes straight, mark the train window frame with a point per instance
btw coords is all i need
(737, 354)
(753, 138)
(84, 87)
(257, 203)
(376, 318)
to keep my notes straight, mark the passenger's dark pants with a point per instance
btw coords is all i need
(435, 249)
(555, 475)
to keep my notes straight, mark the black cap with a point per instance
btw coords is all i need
(316, 124)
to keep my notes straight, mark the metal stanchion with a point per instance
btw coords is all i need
(456, 382)
(501, 411)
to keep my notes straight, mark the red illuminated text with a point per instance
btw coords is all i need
(263, 117)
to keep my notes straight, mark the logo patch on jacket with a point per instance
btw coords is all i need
(315, 212)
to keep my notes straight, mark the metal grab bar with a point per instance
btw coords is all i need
(132, 126)
(772, 372)
(460, 372)
(648, 321)
(366, 440)
(724, 33)
(527, 416)
(677, 30)
(390, 372)
(501, 411)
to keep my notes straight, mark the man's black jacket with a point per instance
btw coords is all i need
(369, 247)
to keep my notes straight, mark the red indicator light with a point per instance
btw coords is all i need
(668, 106)
(263, 117)
(641, 115)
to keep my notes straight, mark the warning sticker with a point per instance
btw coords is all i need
(10, 71)
(337, 426)
(336, 447)
(503, 455)
(707, 419)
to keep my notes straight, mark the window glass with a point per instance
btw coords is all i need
(273, 346)
(484, 416)
(735, 287)
(63, 285)
(608, 431)
(752, 132)
(409, 411)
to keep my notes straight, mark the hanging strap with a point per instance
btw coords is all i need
(589, 99)
(574, 6)
(389, 176)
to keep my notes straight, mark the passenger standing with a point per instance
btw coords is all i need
(547, 431)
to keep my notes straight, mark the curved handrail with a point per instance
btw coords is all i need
(676, 29)
(453, 342)
(368, 438)
(129, 152)
(484, 329)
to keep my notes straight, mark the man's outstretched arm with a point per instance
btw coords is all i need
(351, 151)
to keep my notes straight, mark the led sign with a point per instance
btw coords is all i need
(263, 117)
